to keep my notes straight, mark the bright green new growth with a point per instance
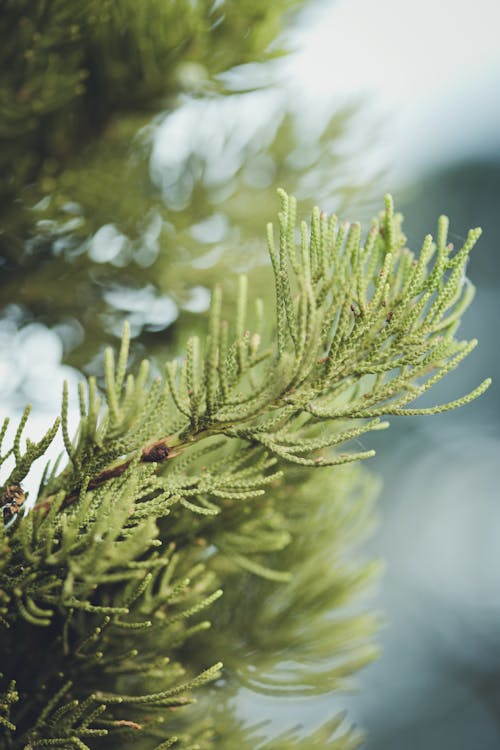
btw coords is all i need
(105, 578)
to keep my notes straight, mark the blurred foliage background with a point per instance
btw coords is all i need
(133, 174)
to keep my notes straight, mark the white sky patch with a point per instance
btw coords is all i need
(430, 70)
(198, 300)
(31, 371)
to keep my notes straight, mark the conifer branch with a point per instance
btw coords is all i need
(363, 327)
(346, 311)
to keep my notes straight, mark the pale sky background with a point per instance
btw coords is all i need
(429, 68)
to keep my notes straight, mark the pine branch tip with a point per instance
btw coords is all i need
(389, 203)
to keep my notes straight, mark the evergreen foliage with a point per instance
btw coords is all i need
(163, 494)
(67, 69)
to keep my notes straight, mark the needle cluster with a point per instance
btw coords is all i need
(170, 485)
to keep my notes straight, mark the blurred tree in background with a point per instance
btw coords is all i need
(121, 96)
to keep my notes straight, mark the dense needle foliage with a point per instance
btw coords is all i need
(171, 485)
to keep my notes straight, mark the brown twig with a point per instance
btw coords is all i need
(126, 723)
(156, 452)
